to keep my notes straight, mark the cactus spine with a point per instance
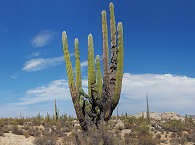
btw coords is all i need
(103, 96)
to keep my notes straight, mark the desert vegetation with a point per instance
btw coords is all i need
(121, 130)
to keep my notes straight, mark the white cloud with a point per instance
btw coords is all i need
(37, 64)
(166, 93)
(42, 39)
(57, 89)
(42, 63)
(84, 64)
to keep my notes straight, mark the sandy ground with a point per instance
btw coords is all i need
(12, 139)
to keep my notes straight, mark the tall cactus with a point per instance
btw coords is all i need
(56, 112)
(103, 96)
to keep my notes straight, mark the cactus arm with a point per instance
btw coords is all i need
(77, 65)
(69, 69)
(106, 93)
(105, 45)
(113, 62)
(99, 76)
(71, 83)
(119, 74)
(89, 64)
(91, 69)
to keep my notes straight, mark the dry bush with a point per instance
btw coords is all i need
(16, 130)
(95, 136)
(174, 126)
(45, 140)
(147, 140)
(193, 136)
(33, 132)
(1, 133)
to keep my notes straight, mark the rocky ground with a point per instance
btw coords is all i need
(166, 128)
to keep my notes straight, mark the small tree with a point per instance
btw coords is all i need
(102, 97)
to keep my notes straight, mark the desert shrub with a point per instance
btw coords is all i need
(175, 141)
(38, 120)
(45, 140)
(16, 130)
(142, 129)
(26, 134)
(192, 136)
(96, 137)
(173, 135)
(67, 140)
(130, 122)
(20, 121)
(130, 140)
(174, 126)
(5, 129)
(33, 132)
(147, 140)
(47, 131)
(183, 140)
(189, 123)
(26, 127)
(1, 132)
(158, 138)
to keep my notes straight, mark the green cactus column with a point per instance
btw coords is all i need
(105, 45)
(91, 67)
(71, 83)
(77, 65)
(99, 76)
(119, 74)
(69, 69)
(113, 63)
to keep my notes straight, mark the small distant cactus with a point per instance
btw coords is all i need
(103, 96)
(56, 115)
(148, 110)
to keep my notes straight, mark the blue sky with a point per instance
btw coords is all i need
(159, 53)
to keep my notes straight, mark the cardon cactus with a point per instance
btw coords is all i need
(103, 95)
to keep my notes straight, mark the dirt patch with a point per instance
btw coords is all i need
(12, 139)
